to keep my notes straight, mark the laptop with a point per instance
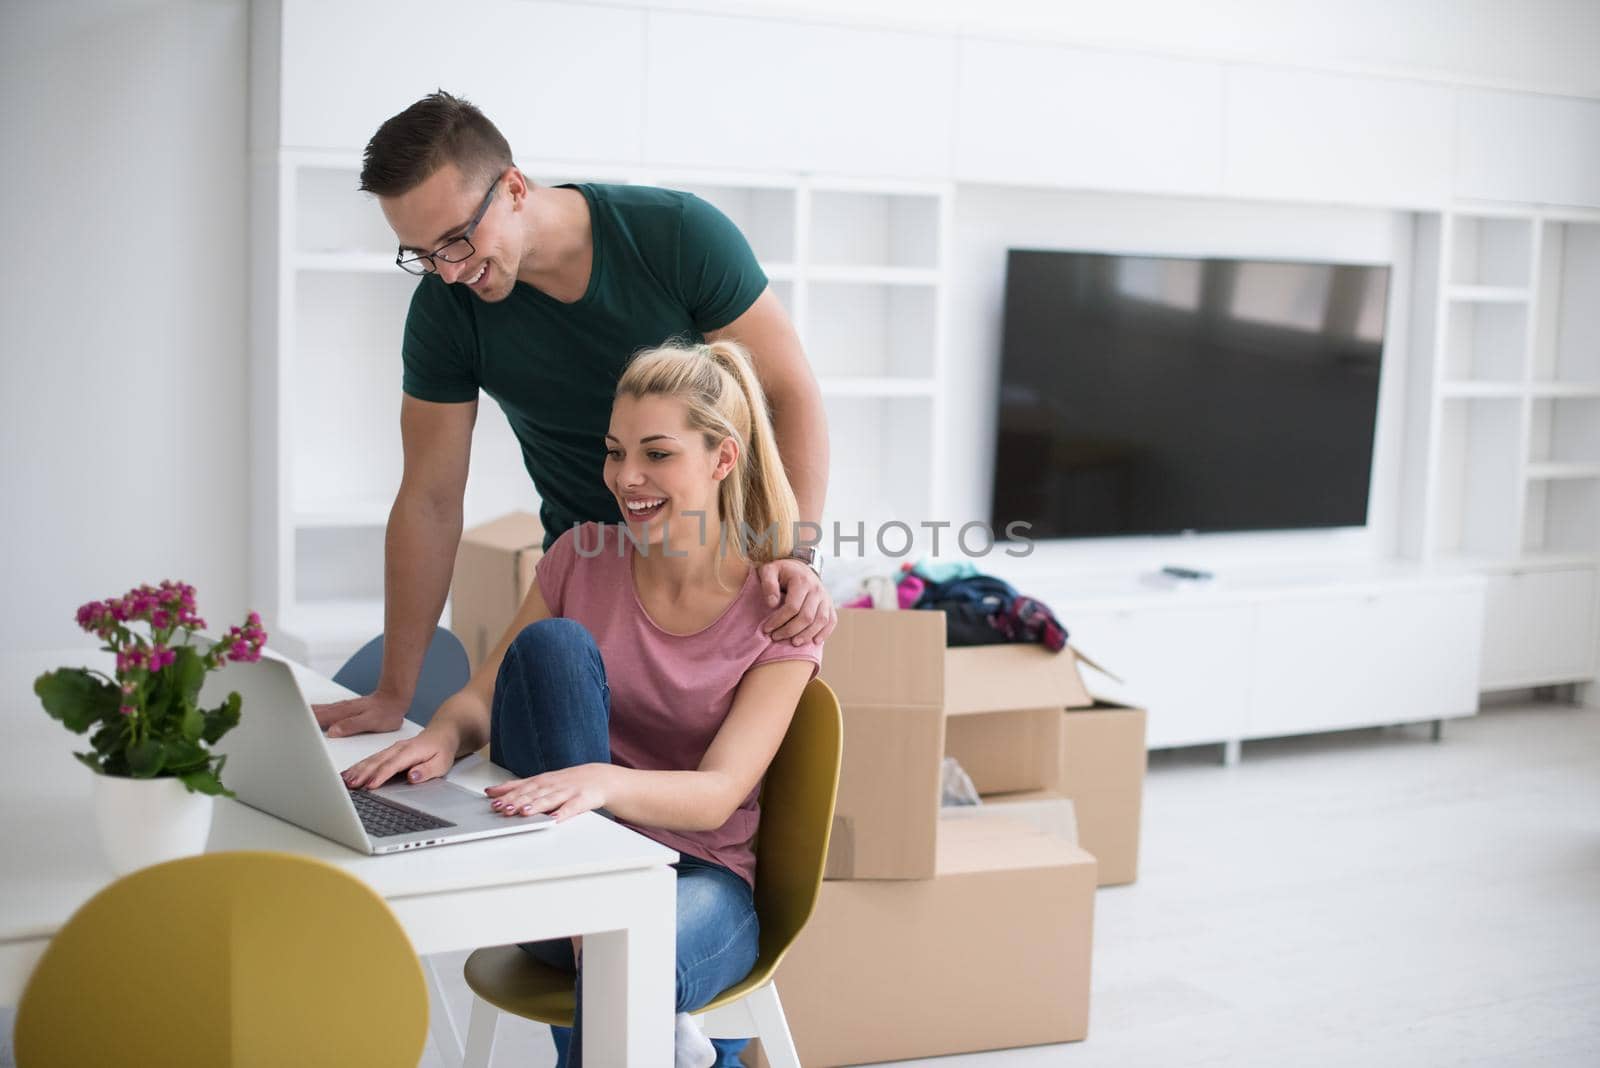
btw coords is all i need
(280, 762)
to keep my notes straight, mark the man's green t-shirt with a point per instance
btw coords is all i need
(666, 265)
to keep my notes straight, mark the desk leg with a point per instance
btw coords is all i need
(629, 979)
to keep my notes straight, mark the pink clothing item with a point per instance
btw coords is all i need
(669, 692)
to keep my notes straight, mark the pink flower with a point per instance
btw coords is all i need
(160, 619)
(127, 710)
(130, 660)
(160, 657)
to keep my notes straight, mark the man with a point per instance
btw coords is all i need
(538, 296)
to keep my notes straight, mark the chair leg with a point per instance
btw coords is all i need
(480, 1034)
(441, 1025)
(772, 1027)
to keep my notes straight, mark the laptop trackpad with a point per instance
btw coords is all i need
(442, 798)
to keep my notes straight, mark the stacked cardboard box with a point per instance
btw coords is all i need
(970, 931)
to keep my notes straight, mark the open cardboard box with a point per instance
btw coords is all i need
(991, 952)
(908, 701)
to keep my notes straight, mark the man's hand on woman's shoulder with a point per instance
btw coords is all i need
(802, 611)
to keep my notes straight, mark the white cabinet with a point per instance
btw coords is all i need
(1358, 659)
(1048, 115)
(1539, 628)
(1308, 135)
(1185, 666)
(544, 72)
(774, 95)
(1307, 668)
(1528, 148)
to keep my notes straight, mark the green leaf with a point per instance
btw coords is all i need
(184, 756)
(189, 674)
(205, 781)
(146, 759)
(76, 698)
(222, 719)
(159, 702)
(193, 724)
(91, 759)
(111, 736)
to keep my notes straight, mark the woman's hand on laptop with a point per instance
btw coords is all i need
(565, 793)
(422, 757)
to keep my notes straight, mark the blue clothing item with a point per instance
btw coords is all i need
(552, 710)
(949, 571)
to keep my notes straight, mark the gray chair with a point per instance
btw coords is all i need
(444, 671)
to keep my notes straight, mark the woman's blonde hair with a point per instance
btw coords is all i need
(718, 386)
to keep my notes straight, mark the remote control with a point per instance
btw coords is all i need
(1185, 572)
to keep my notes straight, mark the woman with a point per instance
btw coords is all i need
(636, 676)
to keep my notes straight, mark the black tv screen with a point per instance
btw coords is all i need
(1156, 395)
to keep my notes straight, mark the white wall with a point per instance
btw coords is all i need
(1542, 46)
(123, 429)
(990, 220)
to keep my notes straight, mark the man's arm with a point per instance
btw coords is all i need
(419, 555)
(798, 419)
(802, 611)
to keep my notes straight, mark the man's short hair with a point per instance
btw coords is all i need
(438, 129)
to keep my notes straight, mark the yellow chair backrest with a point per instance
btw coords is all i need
(227, 959)
(797, 799)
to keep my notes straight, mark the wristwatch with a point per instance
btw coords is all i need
(811, 556)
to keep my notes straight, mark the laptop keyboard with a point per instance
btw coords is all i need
(385, 819)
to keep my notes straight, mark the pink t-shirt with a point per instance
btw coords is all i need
(669, 692)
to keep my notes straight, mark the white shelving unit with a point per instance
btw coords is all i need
(1510, 404)
(861, 267)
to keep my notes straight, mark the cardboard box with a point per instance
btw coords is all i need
(905, 697)
(1103, 759)
(1007, 752)
(494, 568)
(993, 952)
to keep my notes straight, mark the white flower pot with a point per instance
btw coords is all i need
(148, 821)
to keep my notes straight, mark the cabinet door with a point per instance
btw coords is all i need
(1539, 629)
(1308, 670)
(1529, 148)
(1301, 134)
(1185, 666)
(1422, 653)
(1044, 114)
(560, 81)
(770, 94)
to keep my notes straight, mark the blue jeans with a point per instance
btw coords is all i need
(552, 710)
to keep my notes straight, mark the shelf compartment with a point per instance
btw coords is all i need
(1491, 251)
(765, 215)
(1565, 431)
(338, 564)
(342, 398)
(873, 331)
(860, 229)
(881, 469)
(1563, 516)
(1567, 340)
(334, 216)
(1486, 342)
(1479, 478)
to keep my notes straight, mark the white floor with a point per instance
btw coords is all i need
(1366, 898)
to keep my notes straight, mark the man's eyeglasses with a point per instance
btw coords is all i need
(453, 251)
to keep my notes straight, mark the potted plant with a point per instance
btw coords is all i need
(156, 778)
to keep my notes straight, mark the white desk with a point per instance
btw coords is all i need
(587, 876)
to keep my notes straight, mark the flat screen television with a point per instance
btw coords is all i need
(1157, 395)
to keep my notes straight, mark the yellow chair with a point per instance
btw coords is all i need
(797, 799)
(227, 959)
